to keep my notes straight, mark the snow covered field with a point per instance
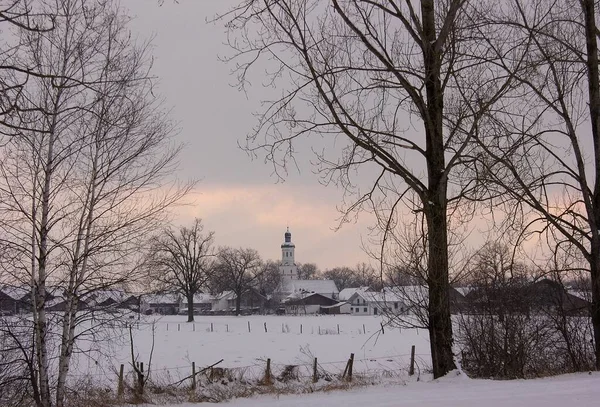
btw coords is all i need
(576, 390)
(177, 344)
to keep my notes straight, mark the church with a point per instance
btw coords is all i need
(292, 287)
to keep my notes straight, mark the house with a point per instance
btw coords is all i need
(8, 304)
(202, 303)
(307, 304)
(252, 301)
(296, 288)
(341, 307)
(113, 300)
(376, 303)
(346, 293)
(164, 304)
(550, 295)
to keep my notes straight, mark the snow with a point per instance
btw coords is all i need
(581, 390)
(177, 344)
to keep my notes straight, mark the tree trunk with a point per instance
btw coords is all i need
(66, 349)
(190, 305)
(40, 323)
(440, 323)
(238, 302)
(594, 107)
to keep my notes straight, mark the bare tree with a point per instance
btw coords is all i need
(86, 180)
(269, 279)
(307, 271)
(183, 260)
(541, 147)
(343, 277)
(362, 275)
(238, 270)
(394, 83)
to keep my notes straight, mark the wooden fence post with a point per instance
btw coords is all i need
(141, 379)
(350, 365)
(411, 370)
(268, 373)
(315, 375)
(265, 327)
(193, 375)
(120, 387)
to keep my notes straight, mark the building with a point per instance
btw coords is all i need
(376, 303)
(252, 302)
(346, 293)
(164, 304)
(302, 288)
(288, 267)
(310, 304)
(202, 303)
(292, 287)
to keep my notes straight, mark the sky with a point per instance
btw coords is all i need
(237, 197)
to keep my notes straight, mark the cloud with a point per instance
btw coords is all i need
(257, 215)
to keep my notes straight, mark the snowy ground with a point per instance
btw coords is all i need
(577, 390)
(177, 344)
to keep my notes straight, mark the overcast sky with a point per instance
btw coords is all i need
(237, 197)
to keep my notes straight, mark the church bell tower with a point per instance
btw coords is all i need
(288, 268)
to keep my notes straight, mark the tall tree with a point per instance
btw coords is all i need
(183, 260)
(86, 180)
(541, 145)
(238, 270)
(395, 85)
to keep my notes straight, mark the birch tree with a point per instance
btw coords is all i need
(86, 181)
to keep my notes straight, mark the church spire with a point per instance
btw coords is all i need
(288, 266)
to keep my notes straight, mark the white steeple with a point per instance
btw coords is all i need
(288, 268)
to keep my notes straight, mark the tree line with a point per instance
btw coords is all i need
(185, 260)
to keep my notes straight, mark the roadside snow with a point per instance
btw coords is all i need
(576, 390)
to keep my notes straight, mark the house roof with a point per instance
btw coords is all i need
(311, 286)
(312, 299)
(346, 293)
(202, 298)
(16, 293)
(161, 298)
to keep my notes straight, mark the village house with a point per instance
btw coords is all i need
(376, 303)
(251, 302)
(202, 304)
(164, 304)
